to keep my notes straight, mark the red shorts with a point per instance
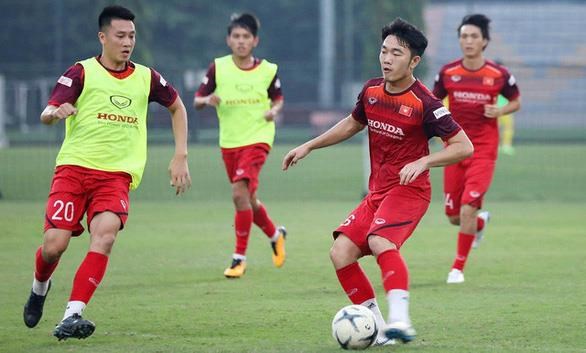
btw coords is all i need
(465, 183)
(395, 218)
(76, 190)
(245, 163)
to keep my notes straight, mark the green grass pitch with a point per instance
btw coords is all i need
(164, 291)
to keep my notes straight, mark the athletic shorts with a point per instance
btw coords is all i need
(77, 190)
(245, 163)
(466, 183)
(395, 218)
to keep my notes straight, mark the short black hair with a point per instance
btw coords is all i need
(245, 20)
(114, 12)
(478, 20)
(407, 34)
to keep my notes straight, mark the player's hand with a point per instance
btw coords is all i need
(270, 115)
(412, 170)
(179, 173)
(492, 111)
(213, 100)
(64, 111)
(293, 156)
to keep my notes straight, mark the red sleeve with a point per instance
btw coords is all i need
(438, 121)
(208, 83)
(358, 113)
(510, 89)
(439, 90)
(275, 92)
(161, 91)
(68, 86)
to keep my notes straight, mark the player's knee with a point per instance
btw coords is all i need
(343, 253)
(378, 245)
(52, 251)
(102, 243)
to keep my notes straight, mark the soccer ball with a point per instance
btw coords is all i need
(354, 327)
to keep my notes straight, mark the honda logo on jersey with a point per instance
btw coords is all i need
(405, 110)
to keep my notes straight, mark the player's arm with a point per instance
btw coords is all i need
(52, 114)
(494, 111)
(205, 93)
(276, 108)
(178, 168)
(200, 102)
(343, 130)
(458, 147)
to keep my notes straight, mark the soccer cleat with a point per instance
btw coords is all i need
(236, 270)
(400, 331)
(485, 215)
(33, 309)
(382, 340)
(455, 276)
(74, 326)
(279, 247)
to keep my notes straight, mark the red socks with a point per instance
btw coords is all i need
(88, 276)
(393, 270)
(464, 245)
(242, 225)
(43, 269)
(263, 221)
(479, 224)
(355, 283)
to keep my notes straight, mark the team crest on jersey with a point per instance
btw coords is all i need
(456, 78)
(372, 100)
(244, 87)
(120, 102)
(405, 110)
(488, 81)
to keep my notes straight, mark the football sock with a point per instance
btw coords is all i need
(242, 225)
(88, 277)
(398, 306)
(74, 307)
(43, 272)
(393, 270)
(395, 276)
(355, 283)
(239, 257)
(479, 224)
(373, 306)
(464, 245)
(263, 221)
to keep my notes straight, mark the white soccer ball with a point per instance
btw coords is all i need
(354, 327)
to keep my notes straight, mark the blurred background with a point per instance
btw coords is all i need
(325, 50)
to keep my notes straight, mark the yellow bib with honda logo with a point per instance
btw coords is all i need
(109, 131)
(244, 101)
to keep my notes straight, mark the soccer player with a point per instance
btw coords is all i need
(472, 85)
(246, 93)
(104, 102)
(401, 115)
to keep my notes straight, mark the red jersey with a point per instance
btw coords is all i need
(208, 84)
(399, 127)
(70, 85)
(468, 91)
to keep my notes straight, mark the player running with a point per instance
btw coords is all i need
(472, 85)
(401, 115)
(104, 102)
(246, 93)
